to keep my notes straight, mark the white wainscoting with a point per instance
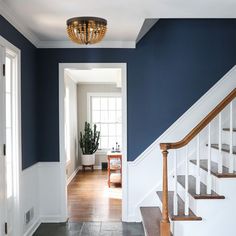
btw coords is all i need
(41, 190)
(29, 198)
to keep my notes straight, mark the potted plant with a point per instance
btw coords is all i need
(89, 142)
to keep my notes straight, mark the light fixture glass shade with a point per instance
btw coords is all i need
(86, 30)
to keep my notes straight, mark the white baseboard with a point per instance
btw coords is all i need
(95, 167)
(72, 175)
(31, 230)
(53, 219)
(43, 219)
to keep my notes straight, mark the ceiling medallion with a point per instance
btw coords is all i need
(86, 30)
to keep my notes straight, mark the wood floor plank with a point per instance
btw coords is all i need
(203, 189)
(181, 216)
(90, 199)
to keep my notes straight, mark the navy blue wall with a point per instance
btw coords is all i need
(173, 65)
(171, 68)
(28, 91)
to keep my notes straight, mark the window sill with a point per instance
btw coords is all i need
(102, 151)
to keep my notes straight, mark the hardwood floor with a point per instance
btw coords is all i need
(90, 199)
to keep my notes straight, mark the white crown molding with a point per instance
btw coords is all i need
(103, 44)
(9, 15)
(147, 25)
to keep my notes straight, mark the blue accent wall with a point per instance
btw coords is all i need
(28, 91)
(171, 68)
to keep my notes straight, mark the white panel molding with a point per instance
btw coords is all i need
(142, 187)
(10, 16)
(73, 175)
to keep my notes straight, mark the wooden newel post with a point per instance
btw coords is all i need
(165, 222)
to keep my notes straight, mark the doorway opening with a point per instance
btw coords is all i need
(10, 141)
(94, 93)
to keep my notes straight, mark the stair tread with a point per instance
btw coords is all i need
(203, 188)
(225, 147)
(181, 216)
(228, 129)
(214, 169)
(151, 220)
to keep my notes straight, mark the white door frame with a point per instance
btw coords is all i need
(123, 67)
(17, 165)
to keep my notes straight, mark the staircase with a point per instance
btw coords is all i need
(202, 200)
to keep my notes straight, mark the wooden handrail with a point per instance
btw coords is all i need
(165, 223)
(196, 130)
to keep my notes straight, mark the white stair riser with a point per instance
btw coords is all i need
(226, 137)
(225, 155)
(219, 185)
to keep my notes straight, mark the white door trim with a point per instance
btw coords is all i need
(123, 67)
(17, 164)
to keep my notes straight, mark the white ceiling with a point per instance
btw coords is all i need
(95, 76)
(44, 21)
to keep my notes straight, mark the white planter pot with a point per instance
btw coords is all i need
(88, 160)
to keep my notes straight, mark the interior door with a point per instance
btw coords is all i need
(2, 143)
(7, 119)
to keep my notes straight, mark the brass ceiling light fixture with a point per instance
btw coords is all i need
(86, 30)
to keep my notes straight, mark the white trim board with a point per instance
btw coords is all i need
(102, 44)
(145, 172)
(73, 175)
(10, 16)
(123, 67)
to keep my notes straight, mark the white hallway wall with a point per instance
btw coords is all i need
(73, 164)
(83, 90)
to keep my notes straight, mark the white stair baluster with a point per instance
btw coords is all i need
(209, 161)
(231, 158)
(186, 206)
(220, 161)
(175, 199)
(198, 166)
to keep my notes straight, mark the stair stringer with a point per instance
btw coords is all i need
(144, 174)
(218, 215)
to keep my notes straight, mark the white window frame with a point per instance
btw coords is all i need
(103, 94)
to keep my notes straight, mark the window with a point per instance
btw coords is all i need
(106, 113)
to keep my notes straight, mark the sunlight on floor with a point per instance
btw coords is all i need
(113, 192)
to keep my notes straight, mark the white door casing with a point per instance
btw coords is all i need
(10, 141)
(63, 181)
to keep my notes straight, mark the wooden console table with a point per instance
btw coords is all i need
(113, 169)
